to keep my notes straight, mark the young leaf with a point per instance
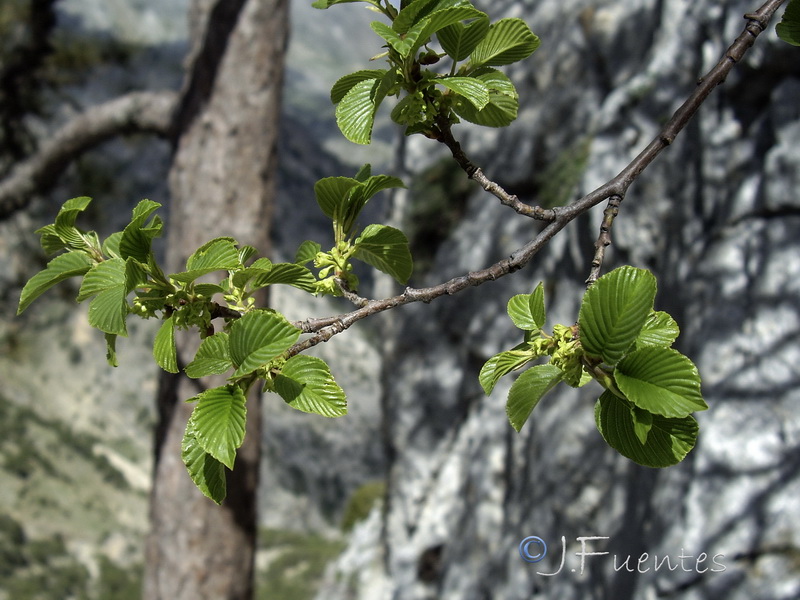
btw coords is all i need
(527, 310)
(386, 249)
(660, 329)
(306, 252)
(436, 21)
(459, 40)
(107, 280)
(527, 390)
(62, 267)
(346, 83)
(411, 13)
(111, 245)
(323, 4)
(289, 274)
(212, 358)
(306, 383)
(164, 350)
(661, 381)
(355, 114)
(668, 440)
(332, 194)
(503, 101)
(111, 349)
(394, 39)
(614, 310)
(219, 254)
(206, 471)
(258, 337)
(137, 238)
(471, 88)
(219, 421)
(642, 423)
(64, 227)
(503, 363)
(789, 27)
(508, 41)
(358, 197)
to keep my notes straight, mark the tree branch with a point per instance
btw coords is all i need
(615, 189)
(138, 112)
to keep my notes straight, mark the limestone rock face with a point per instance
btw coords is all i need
(717, 219)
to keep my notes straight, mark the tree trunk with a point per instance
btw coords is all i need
(222, 183)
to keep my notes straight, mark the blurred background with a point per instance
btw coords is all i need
(424, 491)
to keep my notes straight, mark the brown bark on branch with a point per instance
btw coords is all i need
(138, 112)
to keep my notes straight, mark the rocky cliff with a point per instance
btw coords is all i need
(717, 220)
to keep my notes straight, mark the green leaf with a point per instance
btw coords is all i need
(503, 101)
(642, 423)
(503, 363)
(386, 249)
(111, 349)
(206, 471)
(71, 264)
(306, 252)
(355, 114)
(661, 381)
(361, 194)
(64, 227)
(437, 20)
(257, 338)
(240, 277)
(614, 310)
(527, 310)
(208, 289)
(508, 41)
(306, 383)
(346, 83)
(411, 13)
(332, 194)
(289, 274)
(111, 245)
(219, 254)
(108, 281)
(459, 40)
(212, 358)
(660, 329)
(164, 350)
(50, 242)
(471, 88)
(527, 390)
(137, 238)
(668, 440)
(394, 39)
(219, 421)
(789, 27)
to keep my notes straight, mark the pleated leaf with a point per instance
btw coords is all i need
(661, 381)
(346, 83)
(660, 329)
(165, 351)
(212, 358)
(386, 249)
(71, 264)
(527, 310)
(64, 226)
(614, 310)
(206, 471)
(668, 440)
(507, 41)
(527, 390)
(503, 101)
(137, 237)
(219, 422)
(459, 40)
(258, 337)
(108, 282)
(471, 88)
(217, 255)
(503, 363)
(306, 383)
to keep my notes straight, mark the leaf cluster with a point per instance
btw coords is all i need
(621, 342)
(421, 34)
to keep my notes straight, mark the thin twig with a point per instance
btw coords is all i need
(445, 136)
(604, 239)
(561, 216)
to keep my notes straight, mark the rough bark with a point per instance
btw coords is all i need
(221, 183)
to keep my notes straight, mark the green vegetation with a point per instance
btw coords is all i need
(361, 503)
(296, 564)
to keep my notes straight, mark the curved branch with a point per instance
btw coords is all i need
(324, 329)
(138, 112)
